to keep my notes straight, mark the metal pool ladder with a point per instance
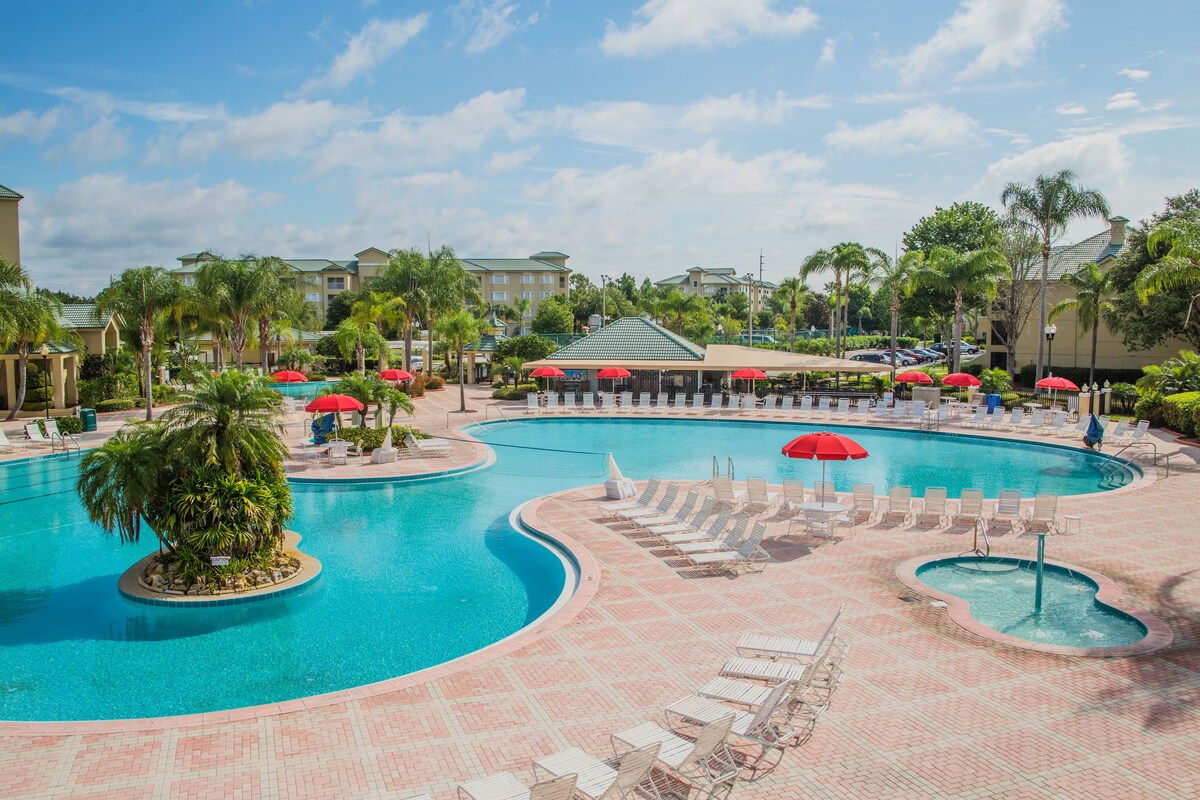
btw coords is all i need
(986, 550)
(716, 467)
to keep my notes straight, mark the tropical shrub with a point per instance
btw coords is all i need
(1079, 375)
(117, 404)
(317, 376)
(68, 424)
(1174, 375)
(433, 383)
(526, 348)
(206, 478)
(91, 367)
(1179, 412)
(518, 392)
(1010, 399)
(1149, 406)
(994, 381)
(371, 438)
(107, 387)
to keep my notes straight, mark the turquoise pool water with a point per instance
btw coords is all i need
(303, 390)
(1000, 593)
(415, 573)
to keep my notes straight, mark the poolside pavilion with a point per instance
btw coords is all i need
(660, 360)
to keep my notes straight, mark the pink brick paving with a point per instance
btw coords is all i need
(927, 710)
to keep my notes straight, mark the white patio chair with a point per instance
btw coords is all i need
(606, 401)
(786, 405)
(712, 532)
(729, 541)
(505, 786)
(552, 401)
(626, 775)
(681, 514)
(643, 501)
(7, 445)
(698, 402)
(717, 400)
(970, 507)
(978, 419)
(665, 504)
(706, 762)
(691, 526)
(793, 495)
(898, 504)
(569, 402)
(805, 404)
(660, 400)
(862, 410)
(862, 503)
(532, 404)
(843, 408)
(758, 499)
(768, 406)
(795, 649)
(64, 440)
(765, 727)
(1014, 422)
(587, 402)
(34, 434)
(626, 401)
(680, 403)
(643, 401)
(735, 402)
(1042, 514)
(1008, 507)
(934, 505)
(823, 406)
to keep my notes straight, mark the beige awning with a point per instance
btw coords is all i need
(723, 358)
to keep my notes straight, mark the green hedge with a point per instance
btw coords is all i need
(518, 392)
(116, 404)
(434, 382)
(370, 438)
(1179, 412)
(1078, 375)
(70, 424)
(1149, 406)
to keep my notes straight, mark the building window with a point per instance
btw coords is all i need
(695, 284)
(547, 294)
(526, 278)
(527, 295)
(189, 280)
(312, 297)
(329, 298)
(499, 279)
(547, 279)
(709, 290)
(562, 282)
(499, 297)
(336, 283)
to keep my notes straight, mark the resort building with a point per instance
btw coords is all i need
(60, 360)
(10, 239)
(1071, 346)
(501, 280)
(713, 281)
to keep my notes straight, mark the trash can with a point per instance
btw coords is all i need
(993, 402)
(88, 417)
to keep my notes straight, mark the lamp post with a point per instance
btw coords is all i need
(603, 299)
(1050, 330)
(44, 350)
(750, 305)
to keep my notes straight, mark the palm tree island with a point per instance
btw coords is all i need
(207, 479)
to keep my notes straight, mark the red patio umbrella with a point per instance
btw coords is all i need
(961, 379)
(395, 375)
(749, 374)
(1052, 383)
(547, 373)
(614, 373)
(334, 402)
(289, 376)
(914, 377)
(824, 446)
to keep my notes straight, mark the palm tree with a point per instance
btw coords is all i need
(1090, 285)
(229, 420)
(973, 272)
(142, 296)
(520, 307)
(448, 289)
(121, 484)
(355, 336)
(846, 261)
(237, 290)
(791, 294)
(280, 299)
(895, 277)
(1179, 268)
(679, 304)
(403, 278)
(293, 357)
(1049, 205)
(31, 320)
(458, 330)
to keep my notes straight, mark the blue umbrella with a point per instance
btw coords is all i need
(1095, 433)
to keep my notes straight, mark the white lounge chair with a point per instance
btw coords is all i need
(729, 541)
(725, 493)
(970, 507)
(686, 526)
(587, 402)
(680, 403)
(1042, 514)
(768, 406)
(426, 448)
(6, 444)
(643, 401)
(569, 402)
(795, 649)
(698, 402)
(660, 400)
(824, 492)
(862, 410)
(1056, 424)
(804, 699)
(606, 401)
(626, 401)
(805, 404)
(898, 504)
(626, 775)
(705, 761)
(793, 495)
(748, 555)
(862, 503)
(644, 501)
(698, 534)
(978, 419)
(785, 405)
(749, 402)
(735, 402)
(1137, 434)
(823, 405)
(843, 407)
(1015, 421)
(665, 503)
(758, 499)
(715, 403)
(552, 401)
(934, 505)
(1008, 507)
(505, 786)
(767, 727)
(532, 403)
(681, 514)
(34, 434)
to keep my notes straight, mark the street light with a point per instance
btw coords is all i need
(45, 351)
(1050, 330)
(750, 304)
(603, 299)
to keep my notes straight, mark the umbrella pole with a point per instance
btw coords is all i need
(822, 484)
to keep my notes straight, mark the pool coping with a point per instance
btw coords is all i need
(131, 588)
(1158, 633)
(587, 584)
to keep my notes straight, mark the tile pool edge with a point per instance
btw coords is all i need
(571, 602)
(1158, 633)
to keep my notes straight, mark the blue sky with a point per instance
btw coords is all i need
(638, 136)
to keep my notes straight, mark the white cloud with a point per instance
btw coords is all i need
(702, 23)
(1019, 139)
(104, 222)
(926, 127)
(102, 142)
(1123, 100)
(1096, 157)
(104, 104)
(828, 53)
(508, 161)
(491, 22)
(366, 50)
(996, 33)
(401, 141)
(283, 130)
(29, 125)
(1071, 109)
(1135, 74)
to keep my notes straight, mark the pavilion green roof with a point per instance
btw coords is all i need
(82, 315)
(8, 194)
(631, 339)
(1067, 259)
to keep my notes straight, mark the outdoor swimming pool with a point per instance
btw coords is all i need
(415, 573)
(302, 390)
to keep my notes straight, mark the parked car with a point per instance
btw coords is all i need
(917, 354)
(872, 358)
(934, 355)
(759, 338)
(902, 360)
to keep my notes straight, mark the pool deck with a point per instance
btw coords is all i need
(926, 710)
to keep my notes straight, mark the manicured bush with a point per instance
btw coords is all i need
(116, 404)
(163, 393)
(316, 376)
(1149, 406)
(434, 383)
(371, 438)
(91, 367)
(106, 387)
(1010, 399)
(1179, 412)
(71, 424)
(1079, 375)
(514, 392)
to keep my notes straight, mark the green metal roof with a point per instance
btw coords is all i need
(486, 343)
(55, 349)
(8, 194)
(1067, 259)
(510, 265)
(631, 339)
(298, 264)
(82, 315)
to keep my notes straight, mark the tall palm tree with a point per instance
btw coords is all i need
(1090, 285)
(973, 272)
(279, 299)
(791, 294)
(403, 278)
(229, 420)
(520, 307)
(145, 297)
(895, 277)
(448, 289)
(237, 289)
(1179, 268)
(459, 329)
(355, 336)
(31, 320)
(847, 261)
(1049, 205)
(679, 305)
